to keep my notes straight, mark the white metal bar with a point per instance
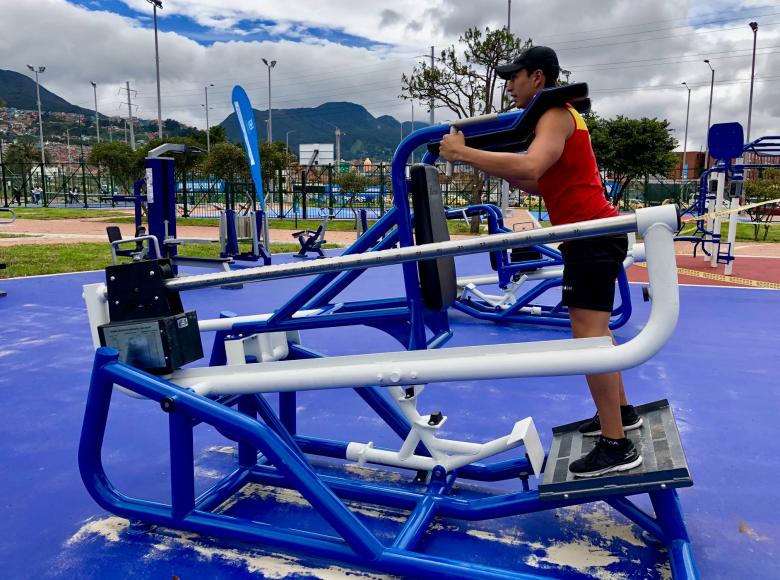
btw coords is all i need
(621, 224)
(546, 358)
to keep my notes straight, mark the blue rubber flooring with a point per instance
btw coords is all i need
(719, 371)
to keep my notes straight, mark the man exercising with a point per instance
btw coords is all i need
(561, 167)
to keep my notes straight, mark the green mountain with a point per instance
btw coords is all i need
(362, 134)
(18, 91)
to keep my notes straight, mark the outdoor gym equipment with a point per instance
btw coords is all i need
(524, 275)
(6, 221)
(721, 186)
(312, 240)
(162, 212)
(259, 354)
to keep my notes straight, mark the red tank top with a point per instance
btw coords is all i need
(572, 188)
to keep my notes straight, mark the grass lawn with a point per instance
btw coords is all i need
(33, 260)
(745, 232)
(56, 213)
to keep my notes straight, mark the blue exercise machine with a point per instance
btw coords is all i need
(721, 186)
(260, 354)
(160, 183)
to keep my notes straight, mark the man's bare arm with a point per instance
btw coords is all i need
(552, 130)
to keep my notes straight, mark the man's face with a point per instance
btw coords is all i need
(523, 86)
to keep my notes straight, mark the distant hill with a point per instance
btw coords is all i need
(18, 91)
(362, 134)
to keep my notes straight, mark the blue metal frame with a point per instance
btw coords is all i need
(507, 270)
(282, 464)
(163, 209)
(768, 146)
(275, 436)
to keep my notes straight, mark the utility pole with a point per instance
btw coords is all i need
(40, 70)
(431, 99)
(412, 157)
(208, 137)
(97, 119)
(130, 118)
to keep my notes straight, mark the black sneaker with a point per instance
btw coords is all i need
(607, 456)
(631, 421)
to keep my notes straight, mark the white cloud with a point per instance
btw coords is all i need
(596, 40)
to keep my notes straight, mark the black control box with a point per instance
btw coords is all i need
(155, 345)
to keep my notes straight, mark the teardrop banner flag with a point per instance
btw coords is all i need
(246, 121)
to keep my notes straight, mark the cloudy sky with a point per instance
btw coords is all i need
(634, 54)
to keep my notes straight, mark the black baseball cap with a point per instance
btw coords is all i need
(536, 57)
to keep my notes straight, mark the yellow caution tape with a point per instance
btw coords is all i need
(722, 278)
(723, 212)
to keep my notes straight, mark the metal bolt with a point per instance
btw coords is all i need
(156, 297)
(116, 302)
(112, 278)
(151, 272)
(565, 496)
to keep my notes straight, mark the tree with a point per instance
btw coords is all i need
(765, 188)
(630, 148)
(118, 158)
(217, 134)
(467, 84)
(226, 161)
(183, 163)
(273, 158)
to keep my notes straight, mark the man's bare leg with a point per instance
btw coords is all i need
(607, 388)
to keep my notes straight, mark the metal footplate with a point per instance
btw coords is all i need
(663, 460)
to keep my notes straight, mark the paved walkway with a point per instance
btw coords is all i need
(755, 260)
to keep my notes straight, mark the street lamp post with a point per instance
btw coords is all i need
(97, 119)
(287, 141)
(754, 28)
(155, 5)
(208, 137)
(338, 149)
(684, 170)
(270, 65)
(709, 113)
(39, 70)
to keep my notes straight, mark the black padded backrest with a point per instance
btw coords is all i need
(437, 277)
(519, 137)
(114, 233)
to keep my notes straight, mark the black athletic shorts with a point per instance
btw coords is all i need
(590, 268)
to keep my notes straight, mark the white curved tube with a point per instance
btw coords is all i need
(546, 358)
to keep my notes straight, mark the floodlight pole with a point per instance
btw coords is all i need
(709, 115)
(40, 70)
(754, 28)
(155, 5)
(683, 173)
(270, 65)
(97, 119)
